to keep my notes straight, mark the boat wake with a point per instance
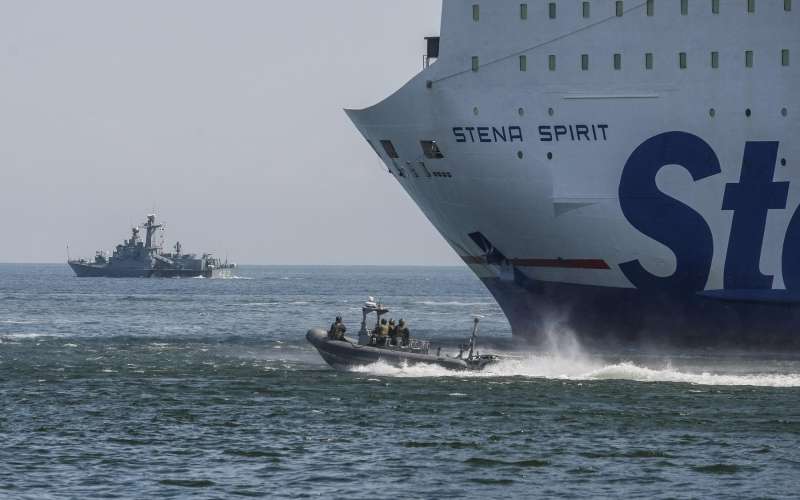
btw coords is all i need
(549, 367)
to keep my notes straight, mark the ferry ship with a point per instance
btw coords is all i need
(627, 169)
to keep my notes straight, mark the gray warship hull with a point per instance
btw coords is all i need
(346, 354)
(87, 270)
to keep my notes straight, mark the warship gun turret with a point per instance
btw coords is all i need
(134, 258)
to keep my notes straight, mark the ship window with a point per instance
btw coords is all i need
(751, 6)
(787, 5)
(715, 6)
(684, 7)
(389, 148)
(748, 58)
(712, 112)
(785, 57)
(748, 113)
(523, 63)
(476, 63)
(476, 12)
(587, 10)
(431, 150)
(617, 61)
(584, 62)
(784, 112)
(552, 10)
(648, 60)
(620, 8)
(651, 7)
(682, 60)
(551, 62)
(715, 60)
(523, 11)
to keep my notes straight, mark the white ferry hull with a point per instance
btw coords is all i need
(645, 206)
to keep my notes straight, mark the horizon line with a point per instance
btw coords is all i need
(3, 263)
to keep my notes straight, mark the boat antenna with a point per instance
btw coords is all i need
(472, 341)
(68, 257)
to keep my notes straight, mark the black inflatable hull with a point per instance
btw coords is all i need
(344, 355)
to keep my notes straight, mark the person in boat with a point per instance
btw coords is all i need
(337, 329)
(392, 332)
(382, 333)
(403, 333)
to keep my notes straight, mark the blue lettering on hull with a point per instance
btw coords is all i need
(666, 219)
(687, 234)
(488, 134)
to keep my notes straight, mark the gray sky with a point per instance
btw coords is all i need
(226, 116)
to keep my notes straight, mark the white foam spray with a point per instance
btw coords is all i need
(565, 359)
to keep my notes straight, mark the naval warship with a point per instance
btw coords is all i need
(135, 258)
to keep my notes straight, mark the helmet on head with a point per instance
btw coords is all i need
(338, 319)
(402, 322)
(391, 321)
(383, 321)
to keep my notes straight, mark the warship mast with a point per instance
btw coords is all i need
(151, 228)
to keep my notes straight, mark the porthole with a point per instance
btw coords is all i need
(521, 111)
(784, 112)
(476, 111)
(549, 156)
(520, 155)
(712, 112)
(551, 111)
(748, 113)
(783, 162)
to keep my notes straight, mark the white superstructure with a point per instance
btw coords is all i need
(629, 166)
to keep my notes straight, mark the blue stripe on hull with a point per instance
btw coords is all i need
(619, 317)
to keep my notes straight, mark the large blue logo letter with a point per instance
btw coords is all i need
(791, 254)
(751, 200)
(666, 219)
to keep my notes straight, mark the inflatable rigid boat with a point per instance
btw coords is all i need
(346, 353)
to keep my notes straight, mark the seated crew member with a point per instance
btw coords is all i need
(382, 332)
(403, 332)
(337, 329)
(392, 332)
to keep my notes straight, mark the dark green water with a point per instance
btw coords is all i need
(206, 389)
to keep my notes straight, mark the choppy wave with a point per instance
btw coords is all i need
(21, 336)
(455, 303)
(17, 322)
(554, 368)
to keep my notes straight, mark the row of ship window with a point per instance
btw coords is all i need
(648, 61)
(429, 148)
(619, 8)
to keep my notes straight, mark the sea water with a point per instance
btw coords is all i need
(196, 388)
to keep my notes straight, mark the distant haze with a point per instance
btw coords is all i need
(225, 117)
